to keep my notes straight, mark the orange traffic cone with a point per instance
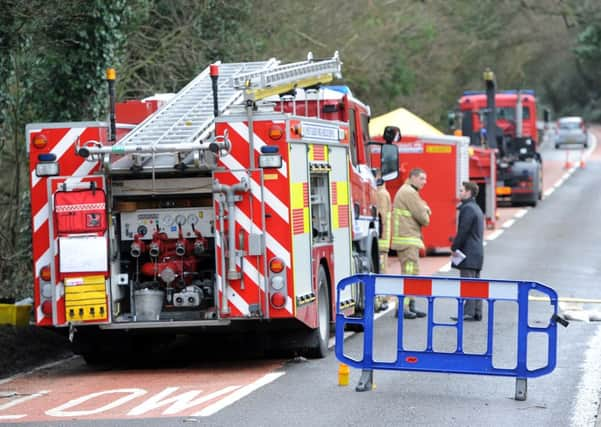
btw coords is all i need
(582, 164)
(567, 164)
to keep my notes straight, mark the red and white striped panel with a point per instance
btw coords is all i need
(80, 207)
(61, 142)
(248, 218)
(450, 288)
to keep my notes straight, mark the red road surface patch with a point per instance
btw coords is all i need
(85, 394)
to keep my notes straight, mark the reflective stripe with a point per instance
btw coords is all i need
(403, 212)
(410, 267)
(386, 227)
(410, 241)
(384, 240)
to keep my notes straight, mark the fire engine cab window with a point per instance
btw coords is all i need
(365, 131)
(508, 113)
(353, 137)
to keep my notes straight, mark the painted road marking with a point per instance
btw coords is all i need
(78, 400)
(584, 411)
(239, 394)
(508, 223)
(520, 213)
(179, 403)
(585, 408)
(18, 401)
(445, 268)
(129, 394)
(494, 234)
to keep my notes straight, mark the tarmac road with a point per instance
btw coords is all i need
(556, 243)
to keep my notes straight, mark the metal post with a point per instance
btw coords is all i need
(111, 75)
(521, 388)
(366, 381)
(522, 359)
(519, 121)
(250, 105)
(214, 72)
(491, 117)
(367, 375)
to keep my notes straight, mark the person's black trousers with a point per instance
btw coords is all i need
(472, 307)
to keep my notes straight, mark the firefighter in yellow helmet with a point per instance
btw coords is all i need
(409, 214)
(384, 205)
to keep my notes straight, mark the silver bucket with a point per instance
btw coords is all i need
(148, 304)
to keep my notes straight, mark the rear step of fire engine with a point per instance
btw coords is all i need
(186, 122)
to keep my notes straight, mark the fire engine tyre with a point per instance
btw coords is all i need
(319, 337)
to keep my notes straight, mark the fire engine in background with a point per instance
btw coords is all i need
(483, 171)
(200, 221)
(445, 160)
(506, 121)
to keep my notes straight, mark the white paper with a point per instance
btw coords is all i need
(82, 253)
(457, 257)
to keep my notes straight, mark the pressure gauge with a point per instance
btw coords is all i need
(167, 220)
(180, 220)
(142, 230)
(193, 219)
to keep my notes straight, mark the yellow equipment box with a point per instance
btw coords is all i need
(17, 315)
(85, 298)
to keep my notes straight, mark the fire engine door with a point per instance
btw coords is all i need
(340, 202)
(300, 255)
(239, 243)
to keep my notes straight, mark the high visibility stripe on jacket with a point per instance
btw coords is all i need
(403, 240)
(384, 240)
(403, 212)
(409, 214)
(407, 241)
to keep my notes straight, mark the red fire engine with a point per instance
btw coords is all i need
(219, 212)
(506, 122)
(445, 160)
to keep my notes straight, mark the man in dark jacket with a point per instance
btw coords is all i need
(470, 241)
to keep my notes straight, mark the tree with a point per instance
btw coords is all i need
(52, 57)
(170, 42)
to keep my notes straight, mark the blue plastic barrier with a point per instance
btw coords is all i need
(457, 362)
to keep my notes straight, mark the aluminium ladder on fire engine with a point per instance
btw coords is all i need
(189, 117)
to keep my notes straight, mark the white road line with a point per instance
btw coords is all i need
(494, 234)
(520, 213)
(238, 394)
(445, 268)
(18, 401)
(508, 223)
(584, 411)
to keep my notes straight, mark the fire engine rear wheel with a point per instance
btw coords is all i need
(319, 337)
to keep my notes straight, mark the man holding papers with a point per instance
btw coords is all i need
(468, 245)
